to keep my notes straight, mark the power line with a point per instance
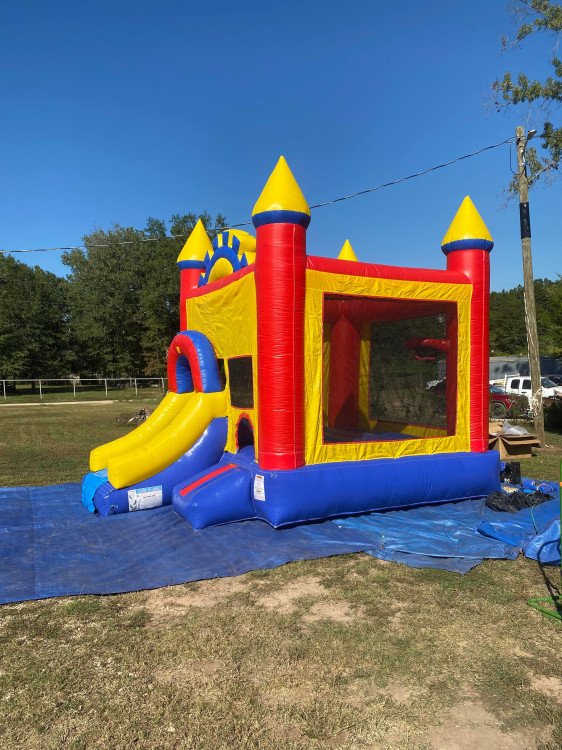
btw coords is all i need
(412, 176)
(121, 242)
(247, 223)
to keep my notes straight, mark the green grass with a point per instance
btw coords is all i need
(545, 464)
(51, 444)
(345, 652)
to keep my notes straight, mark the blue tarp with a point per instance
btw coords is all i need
(456, 536)
(51, 546)
(534, 530)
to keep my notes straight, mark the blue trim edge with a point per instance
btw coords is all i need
(467, 245)
(185, 264)
(281, 217)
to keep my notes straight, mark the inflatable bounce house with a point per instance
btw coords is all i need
(304, 387)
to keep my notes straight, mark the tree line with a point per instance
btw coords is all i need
(116, 312)
(508, 334)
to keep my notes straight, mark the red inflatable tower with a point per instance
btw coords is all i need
(191, 264)
(467, 245)
(281, 216)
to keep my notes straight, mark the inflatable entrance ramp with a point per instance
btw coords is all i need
(185, 435)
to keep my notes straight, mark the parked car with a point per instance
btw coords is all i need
(557, 379)
(521, 385)
(504, 404)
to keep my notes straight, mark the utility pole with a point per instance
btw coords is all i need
(528, 283)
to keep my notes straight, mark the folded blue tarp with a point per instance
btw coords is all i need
(440, 534)
(536, 531)
(51, 546)
(458, 536)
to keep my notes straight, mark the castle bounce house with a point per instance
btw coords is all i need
(305, 387)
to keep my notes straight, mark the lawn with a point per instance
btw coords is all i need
(50, 444)
(546, 463)
(346, 652)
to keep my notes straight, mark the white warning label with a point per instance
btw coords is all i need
(145, 498)
(259, 487)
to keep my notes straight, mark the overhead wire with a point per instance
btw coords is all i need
(415, 174)
(350, 196)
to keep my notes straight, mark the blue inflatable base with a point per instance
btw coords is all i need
(50, 545)
(237, 488)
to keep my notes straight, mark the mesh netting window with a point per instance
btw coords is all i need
(390, 369)
(241, 382)
(403, 385)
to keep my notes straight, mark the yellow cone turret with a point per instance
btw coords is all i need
(197, 245)
(347, 252)
(467, 230)
(281, 200)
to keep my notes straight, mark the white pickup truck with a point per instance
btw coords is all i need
(521, 384)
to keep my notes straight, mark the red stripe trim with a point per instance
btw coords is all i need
(374, 270)
(221, 470)
(172, 380)
(189, 278)
(220, 283)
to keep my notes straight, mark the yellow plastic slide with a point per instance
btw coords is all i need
(167, 410)
(158, 448)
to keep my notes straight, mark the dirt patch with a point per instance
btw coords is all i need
(399, 609)
(286, 730)
(363, 692)
(285, 600)
(338, 611)
(516, 650)
(401, 693)
(468, 726)
(200, 670)
(173, 600)
(551, 687)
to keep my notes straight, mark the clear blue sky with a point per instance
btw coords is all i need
(116, 111)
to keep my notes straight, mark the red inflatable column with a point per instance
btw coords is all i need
(281, 216)
(189, 280)
(191, 264)
(467, 245)
(345, 348)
